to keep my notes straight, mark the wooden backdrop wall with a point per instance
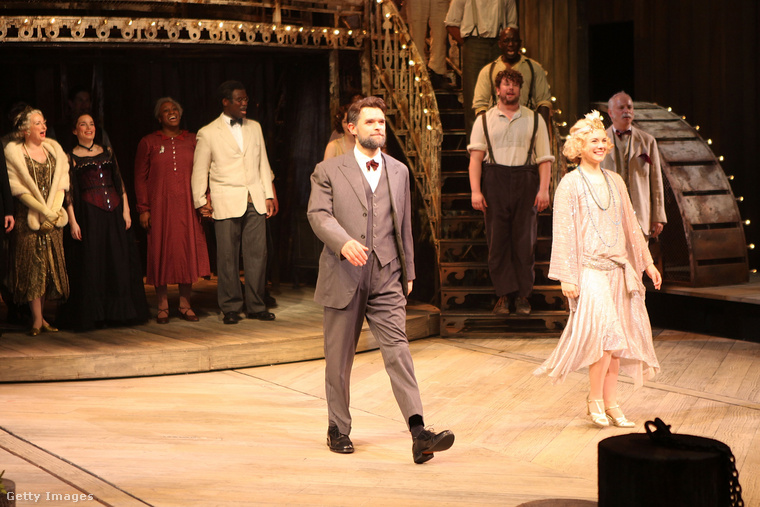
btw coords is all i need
(699, 57)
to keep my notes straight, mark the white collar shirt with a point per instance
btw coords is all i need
(492, 17)
(372, 176)
(237, 130)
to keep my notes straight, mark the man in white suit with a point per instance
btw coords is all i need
(360, 207)
(637, 159)
(231, 163)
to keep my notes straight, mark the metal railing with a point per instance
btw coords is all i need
(399, 75)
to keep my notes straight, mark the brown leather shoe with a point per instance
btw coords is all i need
(522, 306)
(163, 316)
(187, 314)
(502, 306)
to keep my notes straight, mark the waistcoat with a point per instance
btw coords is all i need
(381, 237)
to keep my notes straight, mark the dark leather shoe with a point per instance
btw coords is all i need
(338, 442)
(261, 316)
(231, 318)
(270, 301)
(428, 442)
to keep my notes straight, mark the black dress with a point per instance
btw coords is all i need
(104, 267)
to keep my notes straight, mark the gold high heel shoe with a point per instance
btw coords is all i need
(33, 331)
(48, 328)
(620, 422)
(599, 417)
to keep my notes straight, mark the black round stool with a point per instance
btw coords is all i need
(651, 470)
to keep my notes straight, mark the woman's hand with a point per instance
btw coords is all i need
(145, 220)
(655, 275)
(570, 290)
(127, 217)
(51, 216)
(76, 232)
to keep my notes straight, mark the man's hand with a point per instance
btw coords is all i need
(570, 290)
(655, 275)
(409, 286)
(271, 211)
(542, 200)
(479, 202)
(206, 210)
(656, 229)
(145, 220)
(355, 252)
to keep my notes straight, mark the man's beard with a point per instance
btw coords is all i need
(504, 100)
(370, 142)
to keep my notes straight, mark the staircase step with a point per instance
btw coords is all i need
(537, 323)
(537, 289)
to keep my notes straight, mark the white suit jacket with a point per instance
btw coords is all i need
(231, 174)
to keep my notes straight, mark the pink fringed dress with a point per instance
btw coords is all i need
(603, 252)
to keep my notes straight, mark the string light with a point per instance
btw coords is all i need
(731, 177)
(751, 246)
(709, 141)
(740, 198)
(696, 128)
(720, 158)
(670, 109)
(747, 222)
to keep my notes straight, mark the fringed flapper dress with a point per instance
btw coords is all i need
(598, 245)
(39, 265)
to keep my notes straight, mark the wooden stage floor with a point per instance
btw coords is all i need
(256, 436)
(185, 347)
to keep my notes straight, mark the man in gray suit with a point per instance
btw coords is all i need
(230, 161)
(360, 208)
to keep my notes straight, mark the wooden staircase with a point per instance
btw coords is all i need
(467, 294)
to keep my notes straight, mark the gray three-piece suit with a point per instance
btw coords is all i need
(342, 206)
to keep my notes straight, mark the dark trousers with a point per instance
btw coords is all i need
(477, 52)
(510, 193)
(378, 298)
(248, 232)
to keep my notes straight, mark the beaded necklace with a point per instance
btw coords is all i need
(616, 216)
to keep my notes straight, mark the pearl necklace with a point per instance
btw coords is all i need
(616, 217)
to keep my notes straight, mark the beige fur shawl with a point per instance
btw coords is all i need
(22, 182)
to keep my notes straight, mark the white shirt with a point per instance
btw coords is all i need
(510, 139)
(237, 130)
(493, 16)
(373, 177)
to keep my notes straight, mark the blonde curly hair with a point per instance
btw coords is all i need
(580, 132)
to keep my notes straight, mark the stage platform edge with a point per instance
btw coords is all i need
(186, 347)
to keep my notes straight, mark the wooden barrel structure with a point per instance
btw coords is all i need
(703, 243)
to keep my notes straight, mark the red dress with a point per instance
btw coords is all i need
(177, 250)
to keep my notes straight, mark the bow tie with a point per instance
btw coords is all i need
(372, 165)
(233, 121)
(623, 133)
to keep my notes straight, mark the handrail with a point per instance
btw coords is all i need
(399, 75)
